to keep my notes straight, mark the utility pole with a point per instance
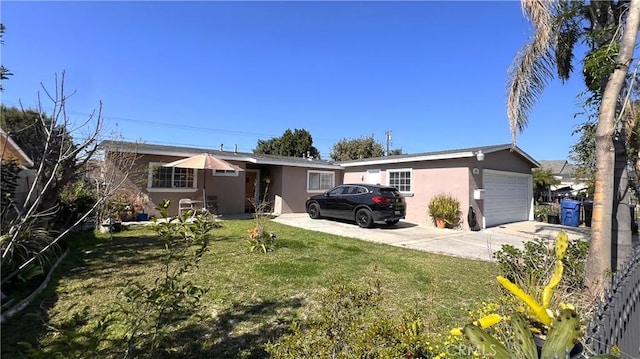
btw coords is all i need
(388, 134)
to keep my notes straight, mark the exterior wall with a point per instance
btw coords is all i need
(428, 179)
(430, 183)
(229, 189)
(293, 191)
(499, 161)
(287, 189)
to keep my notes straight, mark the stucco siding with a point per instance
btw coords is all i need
(505, 161)
(431, 182)
(355, 177)
(228, 189)
(428, 179)
(294, 188)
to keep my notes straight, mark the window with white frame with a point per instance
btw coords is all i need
(400, 179)
(320, 180)
(170, 177)
(232, 173)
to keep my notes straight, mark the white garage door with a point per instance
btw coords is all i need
(507, 197)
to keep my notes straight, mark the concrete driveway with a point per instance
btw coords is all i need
(476, 245)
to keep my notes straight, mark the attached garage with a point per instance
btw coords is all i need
(508, 197)
(492, 183)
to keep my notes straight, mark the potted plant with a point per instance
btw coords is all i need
(541, 211)
(445, 211)
(553, 214)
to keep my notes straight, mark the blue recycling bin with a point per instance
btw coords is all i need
(570, 212)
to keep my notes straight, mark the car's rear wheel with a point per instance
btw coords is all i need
(392, 222)
(363, 218)
(314, 211)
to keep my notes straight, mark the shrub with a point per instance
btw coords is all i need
(532, 264)
(350, 324)
(446, 207)
(144, 319)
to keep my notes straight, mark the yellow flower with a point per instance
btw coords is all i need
(489, 320)
(456, 331)
(537, 309)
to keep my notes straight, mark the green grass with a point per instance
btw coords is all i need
(253, 297)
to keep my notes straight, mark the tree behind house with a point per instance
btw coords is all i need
(296, 143)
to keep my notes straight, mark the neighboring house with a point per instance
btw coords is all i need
(565, 172)
(287, 181)
(495, 180)
(11, 151)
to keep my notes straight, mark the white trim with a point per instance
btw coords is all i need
(320, 190)
(433, 157)
(392, 170)
(383, 160)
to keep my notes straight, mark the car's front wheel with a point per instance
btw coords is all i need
(363, 218)
(314, 211)
(392, 222)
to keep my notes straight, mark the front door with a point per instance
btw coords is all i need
(250, 189)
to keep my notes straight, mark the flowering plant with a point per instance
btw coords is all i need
(561, 327)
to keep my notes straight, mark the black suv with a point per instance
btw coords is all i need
(362, 203)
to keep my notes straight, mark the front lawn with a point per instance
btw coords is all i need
(252, 298)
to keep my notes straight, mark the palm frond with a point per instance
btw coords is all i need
(568, 22)
(533, 65)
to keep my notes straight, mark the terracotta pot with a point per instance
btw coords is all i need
(440, 223)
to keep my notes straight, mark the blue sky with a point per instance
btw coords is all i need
(209, 73)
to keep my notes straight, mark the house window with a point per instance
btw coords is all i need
(170, 177)
(232, 173)
(320, 180)
(400, 179)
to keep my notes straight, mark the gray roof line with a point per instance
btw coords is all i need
(407, 157)
(145, 148)
(250, 157)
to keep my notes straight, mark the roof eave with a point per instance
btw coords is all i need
(222, 155)
(29, 162)
(384, 160)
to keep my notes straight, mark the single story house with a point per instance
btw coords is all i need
(495, 180)
(284, 182)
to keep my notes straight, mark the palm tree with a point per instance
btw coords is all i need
(542, 179)
(557, 29)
